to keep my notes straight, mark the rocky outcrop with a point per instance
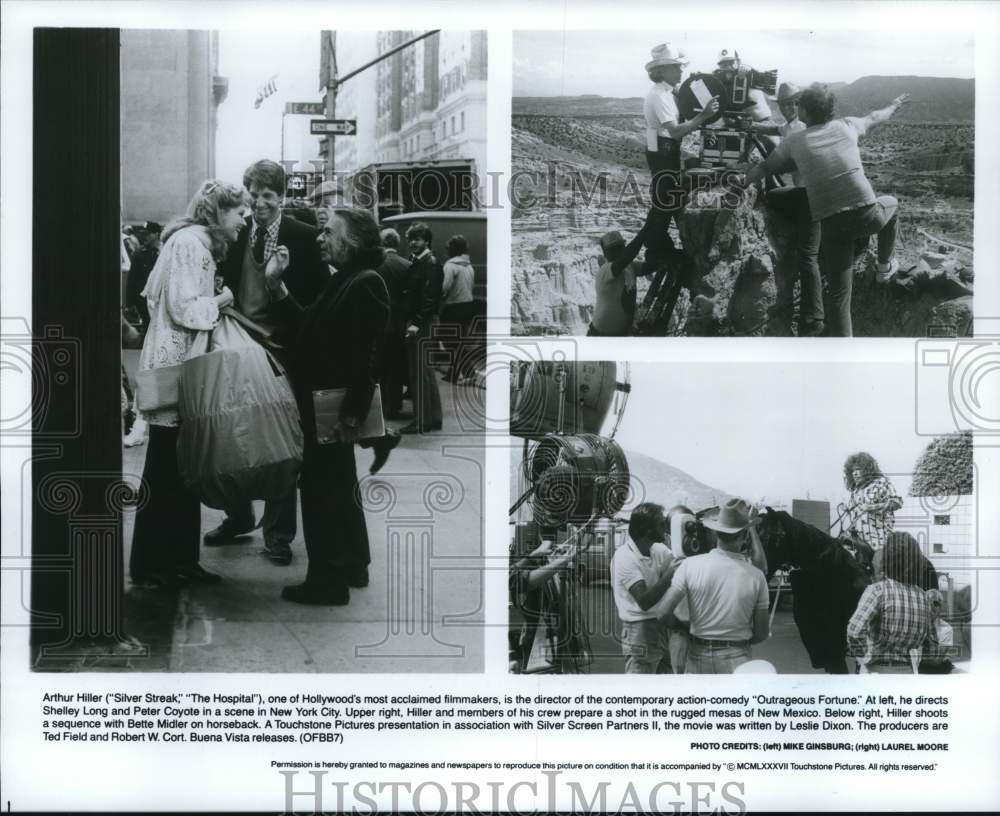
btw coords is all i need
(580, 176)
(732, 281)
(725, 236)
(921, 301)
(555, 256)
(740, 278)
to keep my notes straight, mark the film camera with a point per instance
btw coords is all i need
(730, 142)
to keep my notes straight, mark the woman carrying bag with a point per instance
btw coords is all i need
(183, 308)
(336, 348)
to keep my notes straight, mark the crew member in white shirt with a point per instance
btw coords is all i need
(664, 132)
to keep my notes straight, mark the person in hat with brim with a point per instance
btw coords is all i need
(802, 257)
(726, 594)
(664, 132)
(614, 285)
(788, 99)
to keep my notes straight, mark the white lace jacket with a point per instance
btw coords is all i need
(184, 306)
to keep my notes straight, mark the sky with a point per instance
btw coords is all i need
(570, 63)
(549, 63)
(249, 59)
(773, 431)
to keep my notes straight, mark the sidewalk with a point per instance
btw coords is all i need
(423, 610)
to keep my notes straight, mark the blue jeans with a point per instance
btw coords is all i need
(837, 255)
(703, 659)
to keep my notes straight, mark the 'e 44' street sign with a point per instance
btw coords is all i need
(335, 127)
(310, 108)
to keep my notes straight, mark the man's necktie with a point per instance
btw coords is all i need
(258, 245)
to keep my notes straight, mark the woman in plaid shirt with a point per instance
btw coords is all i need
(873, 500)
(893, 616)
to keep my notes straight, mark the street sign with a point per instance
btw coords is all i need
(310, 108)
(336, 127)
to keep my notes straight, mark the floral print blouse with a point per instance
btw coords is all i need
(184, 308)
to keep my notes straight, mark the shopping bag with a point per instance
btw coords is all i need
(240, 436)
(156, 388)
(326, 404)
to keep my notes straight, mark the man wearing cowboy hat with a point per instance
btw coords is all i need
(726, 594)
(788, 99)
(664, 132)
(793, 203)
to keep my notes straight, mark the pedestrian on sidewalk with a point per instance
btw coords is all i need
(395, 272)
(425, 280)
(457, 308)
(143, 261)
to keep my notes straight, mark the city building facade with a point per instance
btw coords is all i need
(426, 102)
(171, 91)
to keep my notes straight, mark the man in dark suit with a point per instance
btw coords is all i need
(424, 302)
(395, 271)
(336, 345)
(243, 272)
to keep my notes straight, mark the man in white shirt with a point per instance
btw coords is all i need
(664, 132)
(640, 574)
(726, 594)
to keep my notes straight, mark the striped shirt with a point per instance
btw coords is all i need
(891, 619)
